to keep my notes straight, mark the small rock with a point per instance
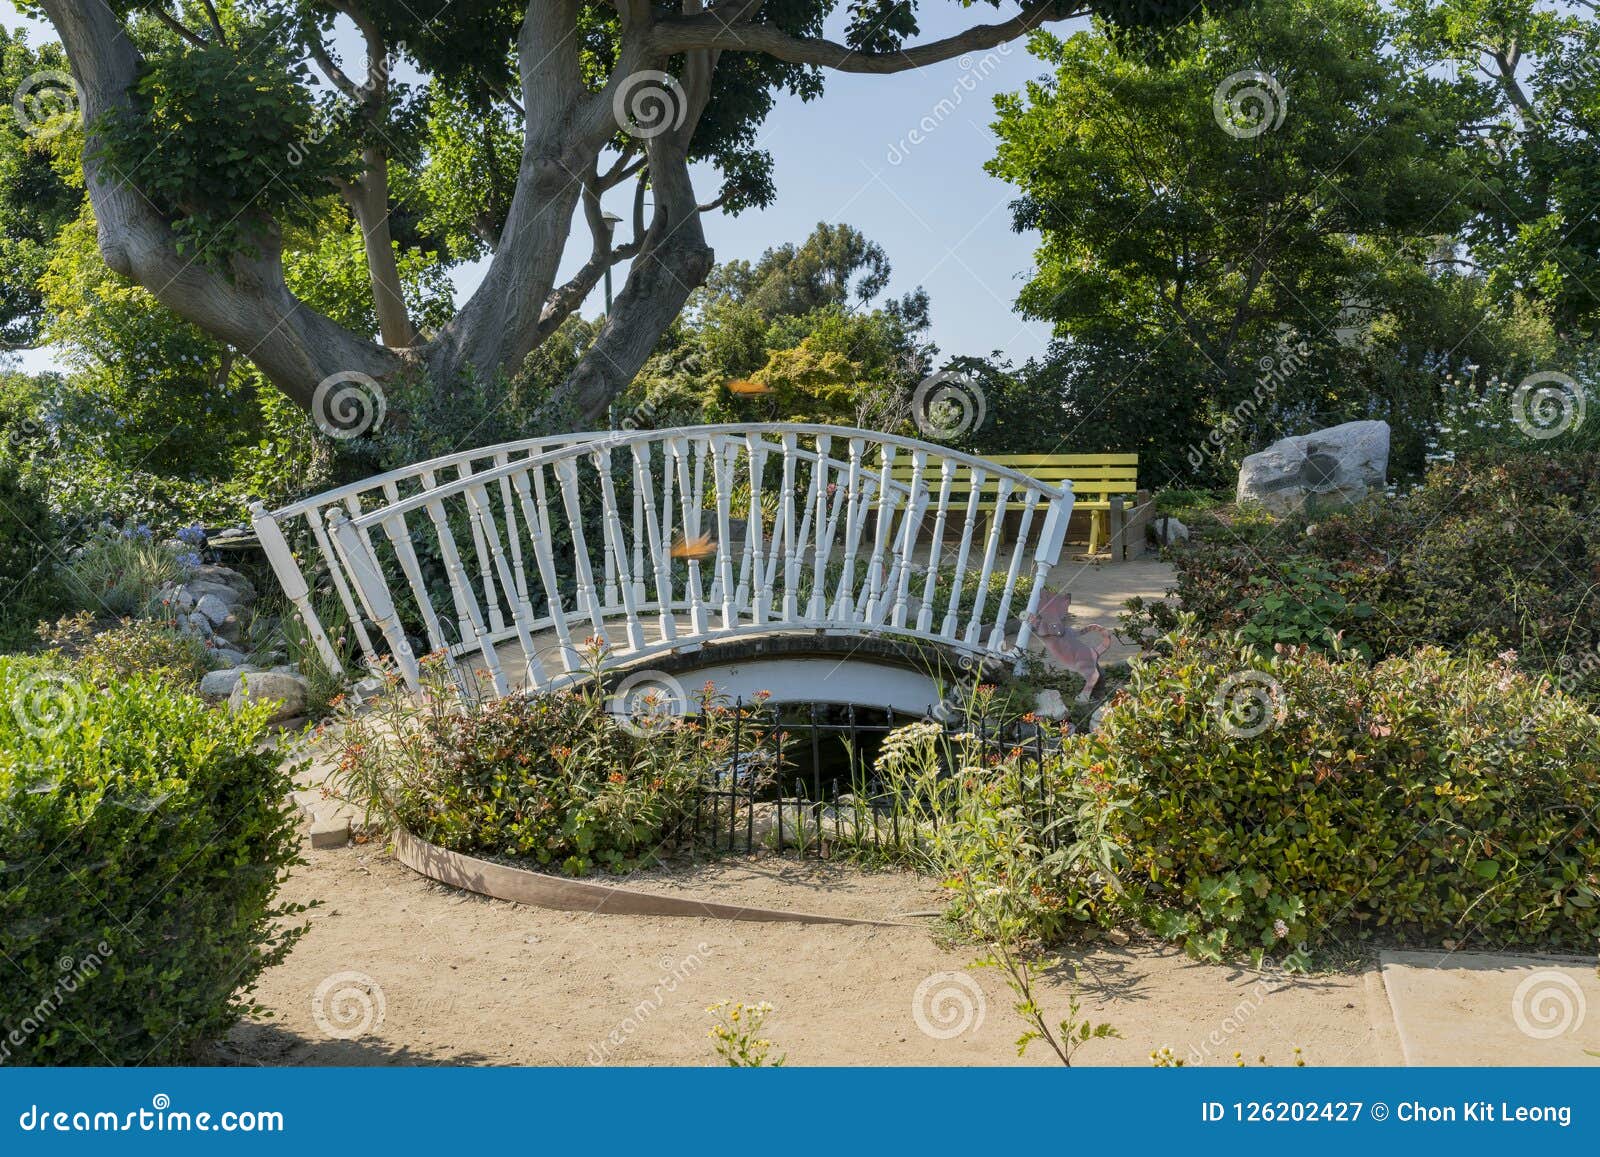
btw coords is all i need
(214, 609)
(287, 691)
(1048, 704)
(1117, 936)
(1167, 530)
(227, 576)
(229, 657)
(216, 685)
(200, 588)
(197, 625)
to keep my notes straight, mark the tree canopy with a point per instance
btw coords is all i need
(226, 136)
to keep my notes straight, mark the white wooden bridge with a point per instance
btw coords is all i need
(505, 560)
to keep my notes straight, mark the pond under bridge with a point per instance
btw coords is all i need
(512, 562)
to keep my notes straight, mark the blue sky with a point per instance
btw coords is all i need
(850, 157)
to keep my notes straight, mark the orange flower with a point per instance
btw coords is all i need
(694, 549)
(617, 777)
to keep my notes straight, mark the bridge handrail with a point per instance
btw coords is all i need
(616, 438)
(358, 578)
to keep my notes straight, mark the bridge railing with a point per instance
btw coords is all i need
(305, 523)
(665, 539)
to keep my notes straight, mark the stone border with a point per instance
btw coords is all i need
(522, 886)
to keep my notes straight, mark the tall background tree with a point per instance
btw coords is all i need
(1295, 214)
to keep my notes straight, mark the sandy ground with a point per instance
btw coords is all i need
(444, 977)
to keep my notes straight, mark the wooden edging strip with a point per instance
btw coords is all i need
(521, 886)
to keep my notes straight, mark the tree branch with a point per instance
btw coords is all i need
(672, 35)
(177, 26)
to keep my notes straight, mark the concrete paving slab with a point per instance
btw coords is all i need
(1480, 1008)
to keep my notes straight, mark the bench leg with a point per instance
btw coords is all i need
(1097, 529)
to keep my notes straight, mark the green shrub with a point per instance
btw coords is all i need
(553, 779)
(143, 837)
(132, 647)
(1250, 799)
(29, 589)
(119, 572)
(1487, 555)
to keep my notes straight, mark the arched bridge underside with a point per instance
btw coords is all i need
(526, 564)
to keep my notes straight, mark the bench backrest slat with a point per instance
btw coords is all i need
(1095, 478)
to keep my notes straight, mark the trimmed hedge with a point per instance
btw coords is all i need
(1248, 800)
(143, 837)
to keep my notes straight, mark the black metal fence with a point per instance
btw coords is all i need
(802, 779)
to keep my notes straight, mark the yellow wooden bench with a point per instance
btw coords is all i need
(1096, 479)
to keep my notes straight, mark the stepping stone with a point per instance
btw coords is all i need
(1483, 1008)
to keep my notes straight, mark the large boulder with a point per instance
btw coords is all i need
(1318, 471)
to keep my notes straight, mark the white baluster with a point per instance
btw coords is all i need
(536, 519)
(925, 613)
(997, 638)
(916, 504)
(295, 587)
(336, 572)
(659, 543)
(461, 590)
(791, 554)
(572, 498)
(400, 538)
(612, 516)
(951, 617)
(722, 465)
(689, 510)
(880, 537)
(478, 500)
(755, 531)
(817, 611)
(491, 600)
(996, 522)
(374, 593)
(1051, 539)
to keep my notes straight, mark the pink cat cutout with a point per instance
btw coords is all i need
(1067, 645)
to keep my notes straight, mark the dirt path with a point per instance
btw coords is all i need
(464, 980)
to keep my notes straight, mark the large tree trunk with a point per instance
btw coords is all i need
(251, 307)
